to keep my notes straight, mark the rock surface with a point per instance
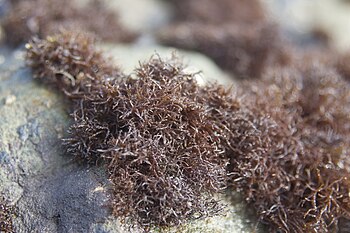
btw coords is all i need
(50, 191)
(304, 16)
(144, 16)
(129, 56)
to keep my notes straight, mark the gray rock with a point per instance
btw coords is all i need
(141, 16)
(144, 16)
(50, 191)
(303, 16)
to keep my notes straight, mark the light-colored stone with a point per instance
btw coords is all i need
(10, 99)
(129, 57)
(303, 16)
(143, 16)
(51, 193)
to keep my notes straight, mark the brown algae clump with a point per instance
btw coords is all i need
(164, 160)
(159, 146)
(169, 144)
(295, 169)
(236, 34)
(46, 17)
(70, 62)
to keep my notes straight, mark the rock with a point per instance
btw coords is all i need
(304, 16)
(143, 16)
(50, 191)
(195, 62)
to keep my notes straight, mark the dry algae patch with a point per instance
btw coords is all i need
(45, 17)
(240, 38)
(289, 148)
(236, 34)
(169, 145)
(158, 144)
(297, 175)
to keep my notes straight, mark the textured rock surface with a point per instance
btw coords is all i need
(51, 192)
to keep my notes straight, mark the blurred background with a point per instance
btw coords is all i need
(299, 18)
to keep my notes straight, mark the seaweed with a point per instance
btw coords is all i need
(167, 149)
(71, 62)
(219, 12)
(244, 50)
(343, 66)
(156, 141)
(169, 145)
(299, 181)
(46, 17)
(235, 33)
(288, 142)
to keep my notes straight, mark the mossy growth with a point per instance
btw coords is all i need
(6, 214)
(236, 34)
(70, 62)
(159, 146)
(294, 169)
(42, 18)
(169, 144)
